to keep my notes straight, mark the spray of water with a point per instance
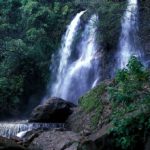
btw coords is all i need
(77, 77)
(128, 39)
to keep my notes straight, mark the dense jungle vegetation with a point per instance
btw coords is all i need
(30, 31)
(128, 99)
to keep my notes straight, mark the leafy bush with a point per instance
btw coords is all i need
(129, 99)
(130, 95)
(30, 32)
(92, 99)
(92, 102)
(129, 83)
(110, 14)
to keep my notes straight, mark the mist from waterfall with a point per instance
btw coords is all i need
(76, 77)
(128, 44)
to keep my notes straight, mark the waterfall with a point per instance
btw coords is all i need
(76, 77)
(128, 44)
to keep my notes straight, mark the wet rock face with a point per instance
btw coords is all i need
(69, 140)
(55, 110)
(61, 140)
(79, 121)
(55, 140)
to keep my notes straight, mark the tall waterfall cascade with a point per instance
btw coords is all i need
(76, 77)
(73, 78)
(128, 44)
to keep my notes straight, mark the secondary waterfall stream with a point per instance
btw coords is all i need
(76, 77)
(128, 44)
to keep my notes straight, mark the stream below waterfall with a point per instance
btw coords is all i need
(19, 128)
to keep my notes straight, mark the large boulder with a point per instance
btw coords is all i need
(55, 110)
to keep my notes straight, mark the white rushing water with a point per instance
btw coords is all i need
(128, 39)
(9, 129)
(76, 77)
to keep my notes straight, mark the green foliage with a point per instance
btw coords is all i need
(110, 14)
(11, 90)
(130, 95)
(129, 83)
(30, 32)
(131, 129)
(92, 102)
(129, 99)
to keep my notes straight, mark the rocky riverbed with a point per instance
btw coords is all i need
(77, 134)
(58, 138)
